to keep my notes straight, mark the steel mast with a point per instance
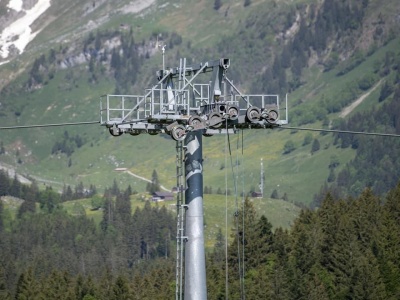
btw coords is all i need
(187, 110)
(195, 264)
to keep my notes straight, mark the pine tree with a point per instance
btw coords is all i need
(1, 215)
(217, 4)
(367, 282)
(49, 200)
(28, 206)
(108, 211)
(389, 253)
(27, 287)
(274, 194)
(154, 186)
(121, 290)
(123, 211)
(15, 188)
(4, 183)
(315, 146)
(332, 176)
(57, 286)
(4, 293)
(2, 149)
(115, 189)
(289, 147)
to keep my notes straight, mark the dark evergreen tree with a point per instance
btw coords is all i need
(315, 146)
(332, 176)
(108, 211)
(121, 289)
(274, 194)
(57, 286)
(154, 185)
(79, 191)
(16, 187)
(28, 287)
(28, 206)
(217, 4)
(4, 293)
(2, 149)
(4, 183)
(123, 210)
(289, 147)
(115, 189)
(49, 200)
(1, 218)
(66, 193)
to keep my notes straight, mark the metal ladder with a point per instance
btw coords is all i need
(181, 208)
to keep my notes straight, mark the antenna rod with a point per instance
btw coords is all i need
(195, 266)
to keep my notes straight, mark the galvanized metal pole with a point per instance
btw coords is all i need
(195, 265)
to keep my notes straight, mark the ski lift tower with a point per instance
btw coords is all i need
(187, 105)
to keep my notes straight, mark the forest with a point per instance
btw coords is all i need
(345, 249)
(345, 246)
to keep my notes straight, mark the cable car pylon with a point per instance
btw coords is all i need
(187, 108)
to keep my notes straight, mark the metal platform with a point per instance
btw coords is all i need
(184, 99)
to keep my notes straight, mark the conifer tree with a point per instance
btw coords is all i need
(1, 215)
(108, 211)
(27, 286)
(315, 146)
(4, 183)
(217, 4)
(121, 290)
(4, 293)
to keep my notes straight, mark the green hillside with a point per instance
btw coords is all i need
(253, 36)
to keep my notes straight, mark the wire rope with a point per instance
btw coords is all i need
(241, 277)
(281, 127)
(342, 131)
(236, 195)
(226, 219)
(48, 125)
(243, 211)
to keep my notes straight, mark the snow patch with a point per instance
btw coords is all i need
(15, 5)
(19, 34)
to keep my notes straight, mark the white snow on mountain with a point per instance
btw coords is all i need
(19, 33)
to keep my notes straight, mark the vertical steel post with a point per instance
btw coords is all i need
(195, 265)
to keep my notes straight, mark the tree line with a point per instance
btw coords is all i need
(349, 248)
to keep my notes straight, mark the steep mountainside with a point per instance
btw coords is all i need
(325, 54)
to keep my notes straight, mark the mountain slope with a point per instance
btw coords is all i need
(325, 54)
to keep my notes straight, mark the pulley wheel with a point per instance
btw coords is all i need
(233, 112)
(115, 131)
(272, 116)
(195, 121)
(214, 116)
(178, 133)
(253, 114)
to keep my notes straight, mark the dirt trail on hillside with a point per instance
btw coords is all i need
(137, 6)
(11, 173)
(147, 180)
(356, 103)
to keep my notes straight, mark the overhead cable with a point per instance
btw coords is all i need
(48, 125)
(341, 131)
